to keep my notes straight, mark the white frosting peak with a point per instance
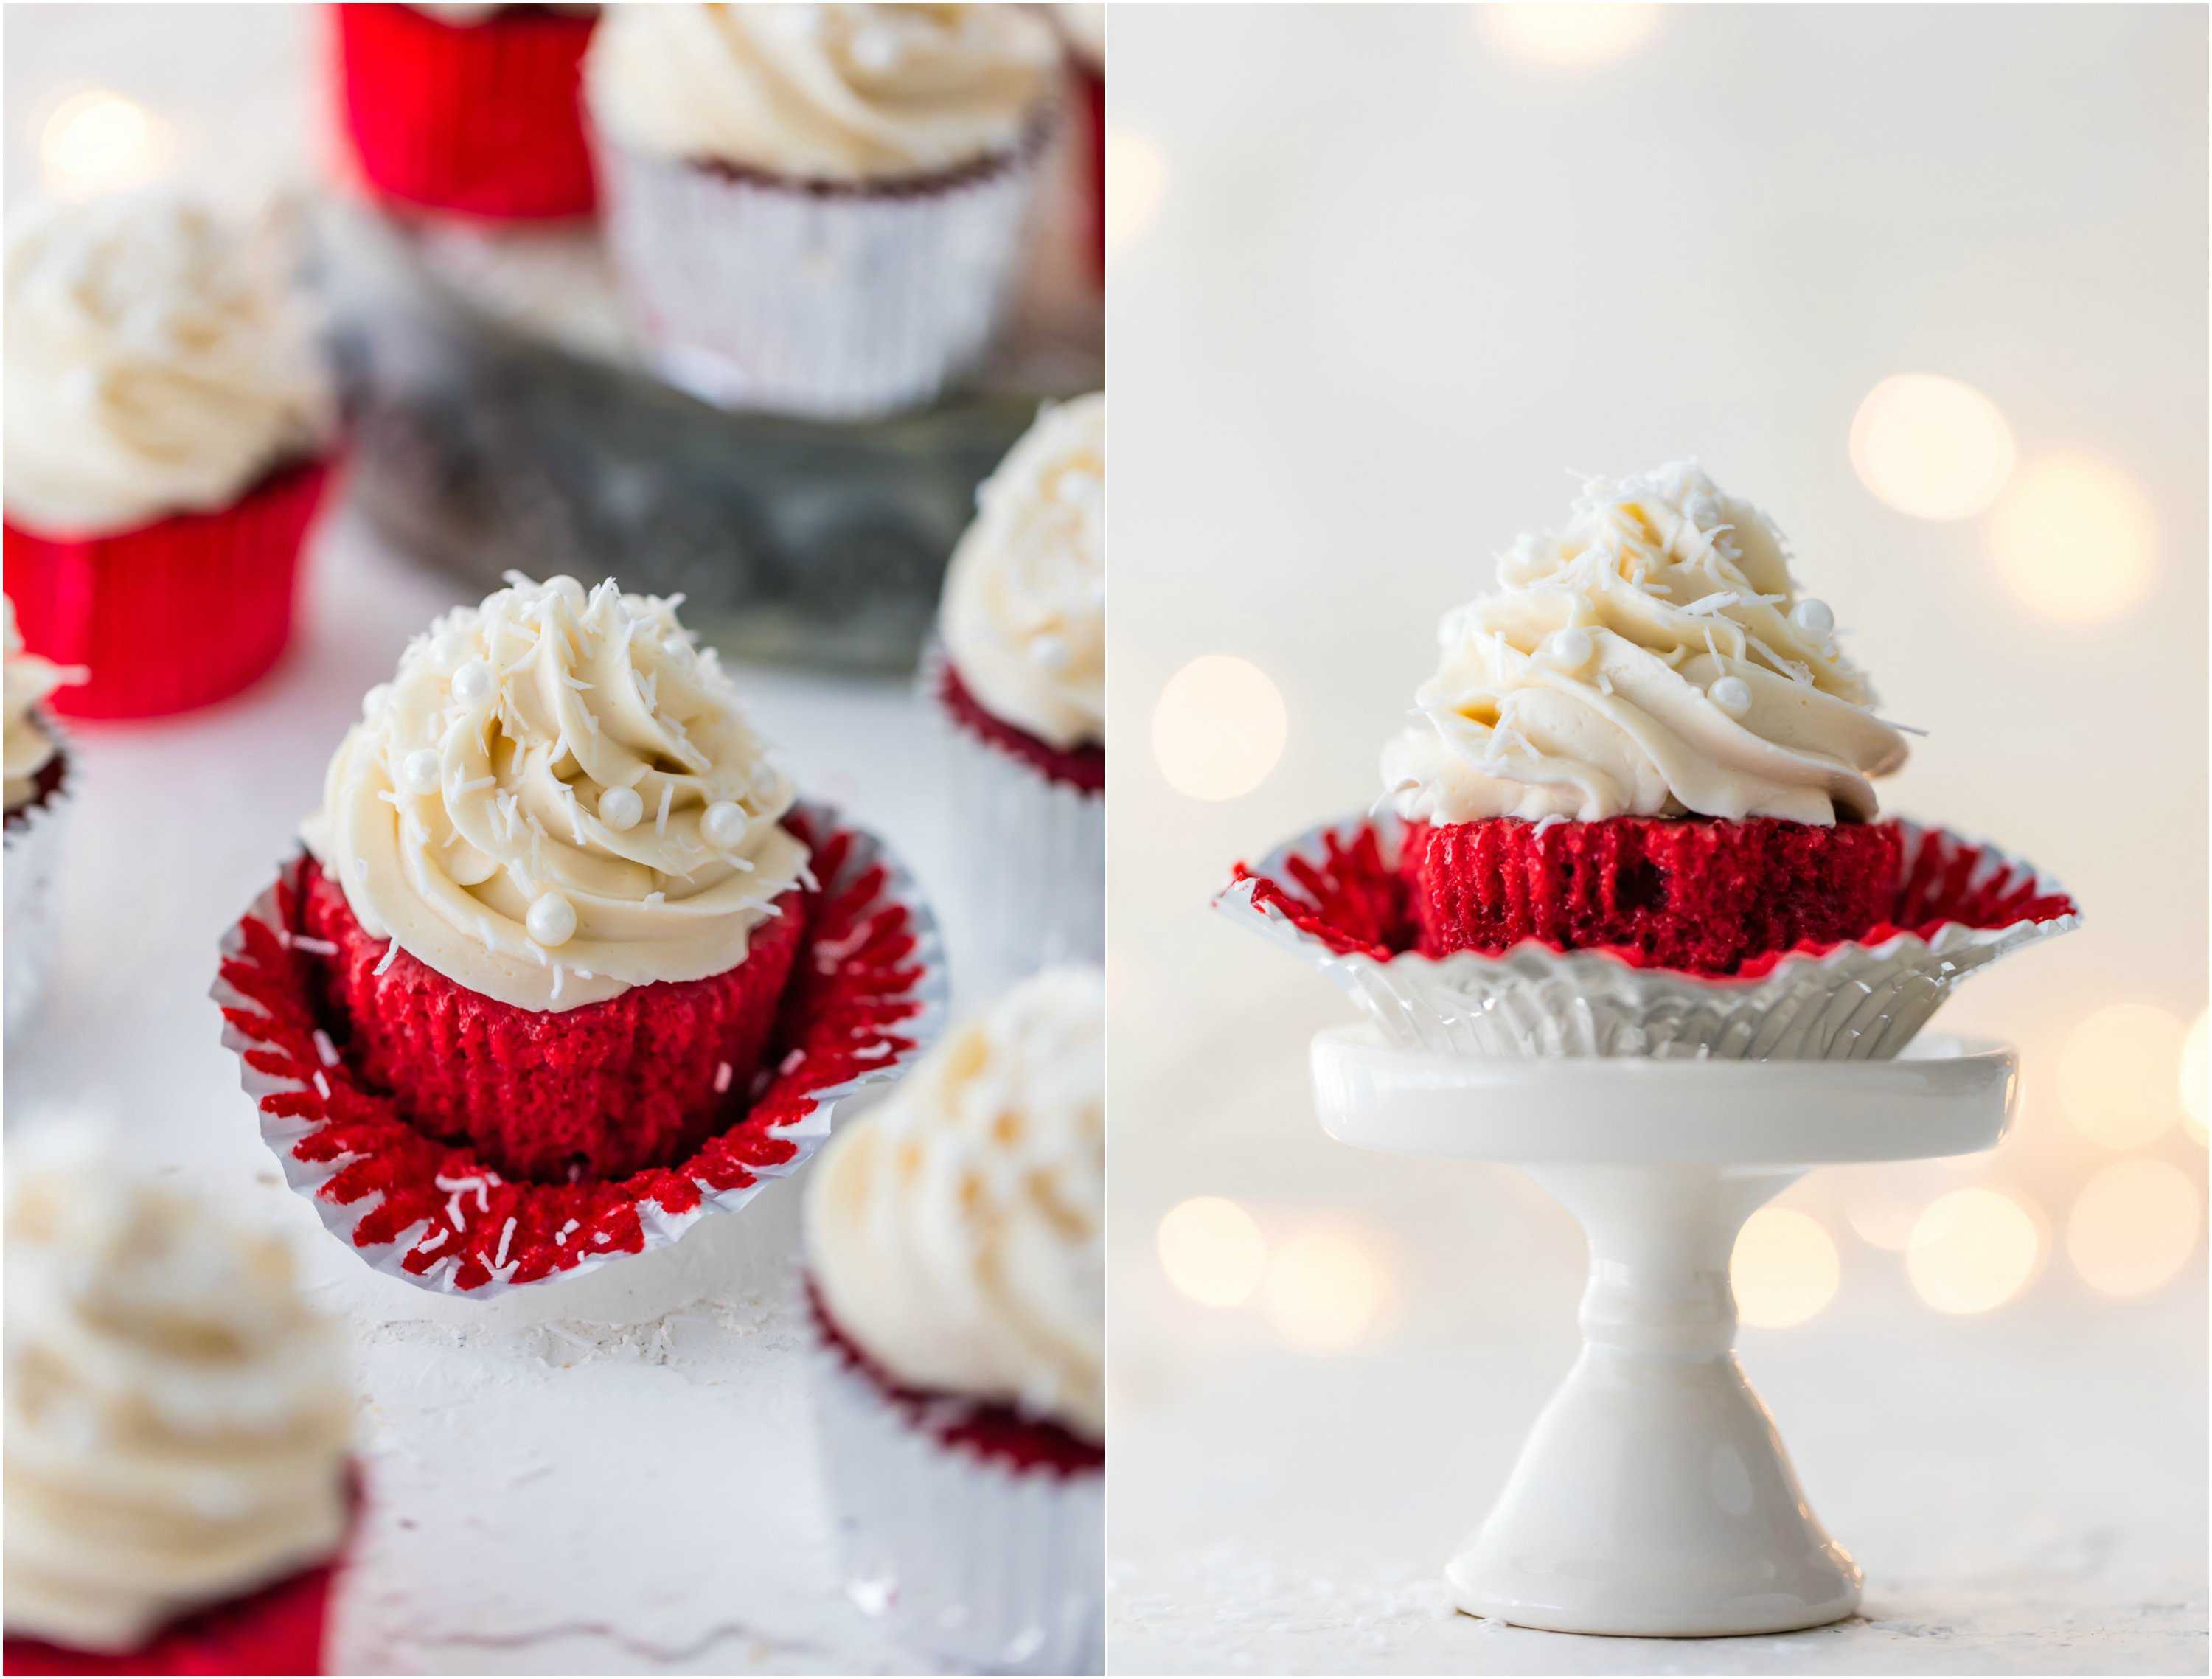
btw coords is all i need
(955, 1232)
(30, 748)
(556, 799)
(1023, 617)
(155, 364)
(1653, 659)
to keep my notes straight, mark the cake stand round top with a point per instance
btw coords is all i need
(1945, 1096)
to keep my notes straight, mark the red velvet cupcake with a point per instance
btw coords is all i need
(553, 899)
(1646, 741)
(178, 1421)
(473, 110)
(167, 424)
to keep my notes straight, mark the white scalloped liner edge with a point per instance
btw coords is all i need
(661, 1228)
(1855, 1002)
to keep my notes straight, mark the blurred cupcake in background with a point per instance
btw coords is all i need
(1084, 26)
(37, 798)
(1022, 681)
(957, 1282)
(468, 110)
(168, 429)
(820, 210)
(178, 1421)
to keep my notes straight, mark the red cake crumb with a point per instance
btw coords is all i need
(1083, 767)
(610, 1088)
(994, 1432)
(1692, 893)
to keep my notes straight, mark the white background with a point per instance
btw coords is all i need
(1379, 281)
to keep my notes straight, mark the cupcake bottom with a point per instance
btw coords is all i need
(1035, 853)
(976, 1535)
(37, 833)
(1690, 893)
(639, 1080)
(179, 613)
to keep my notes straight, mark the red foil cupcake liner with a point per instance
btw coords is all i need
(483, 119)
(1335, 896)
(866, 994)
(179, 613)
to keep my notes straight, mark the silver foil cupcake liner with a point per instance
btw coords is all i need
(985, 1567)
(466, 1244)
(30, 878)
(1857, 1002)
(824, 302)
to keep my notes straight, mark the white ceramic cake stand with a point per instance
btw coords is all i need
(1654, 1497)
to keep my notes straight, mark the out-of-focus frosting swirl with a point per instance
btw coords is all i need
(29, 679)
(1653, 659)
(177, 1418)
(1023, 617)
(832, 93)
(955, 1232)
(556, 799)
(155, 364)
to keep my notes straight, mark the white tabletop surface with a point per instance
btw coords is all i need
(631, 1488)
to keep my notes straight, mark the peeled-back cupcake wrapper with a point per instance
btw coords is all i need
(173, 615)
(31, 880)
(1333, 895)
(830, 304)
(867, 995)
(967, 1558)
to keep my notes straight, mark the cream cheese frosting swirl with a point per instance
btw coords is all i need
(1653, 659)
(177, 1419)
(29, 679)
(155, 364)
(1024, 617)
(556, 799)
(954, 1232)
(825, 93)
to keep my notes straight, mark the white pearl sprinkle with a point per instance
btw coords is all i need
(724, 824)
(1570, 650)
(418, 770)
(621, 808)
(474, 681)
(1732, 694)
(1049, 652)
(1812, 617)
(551, 919)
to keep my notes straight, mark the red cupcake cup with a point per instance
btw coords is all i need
(179, 613)
(483, 119)
(866, 993)
(1091, 165)
(278, 1629)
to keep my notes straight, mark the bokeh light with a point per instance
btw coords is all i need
(98, 141)
(1326, 1290)
(2196, 1077)
(1785, 1269)
(1567, 36)
(2133, 1225)
(2074, 538)
(2118, 1072)
(1972, 1250)
(1932, 446)
(1220, 727)
(1882, 1215)
(1136, 181)
(1212, 1251)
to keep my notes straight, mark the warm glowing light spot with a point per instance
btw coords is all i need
(1881, 1217)
(1567, 36)
(2134, 1226)
(2118, 1071)
(1932, 446)
(1972, 1250)
(1219, 728)
(1212, 1251)
(1786, 1269)
(2074, 539)
(98, 141)
(1136, 182)
(2196, 1077)
(1325, 1290)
